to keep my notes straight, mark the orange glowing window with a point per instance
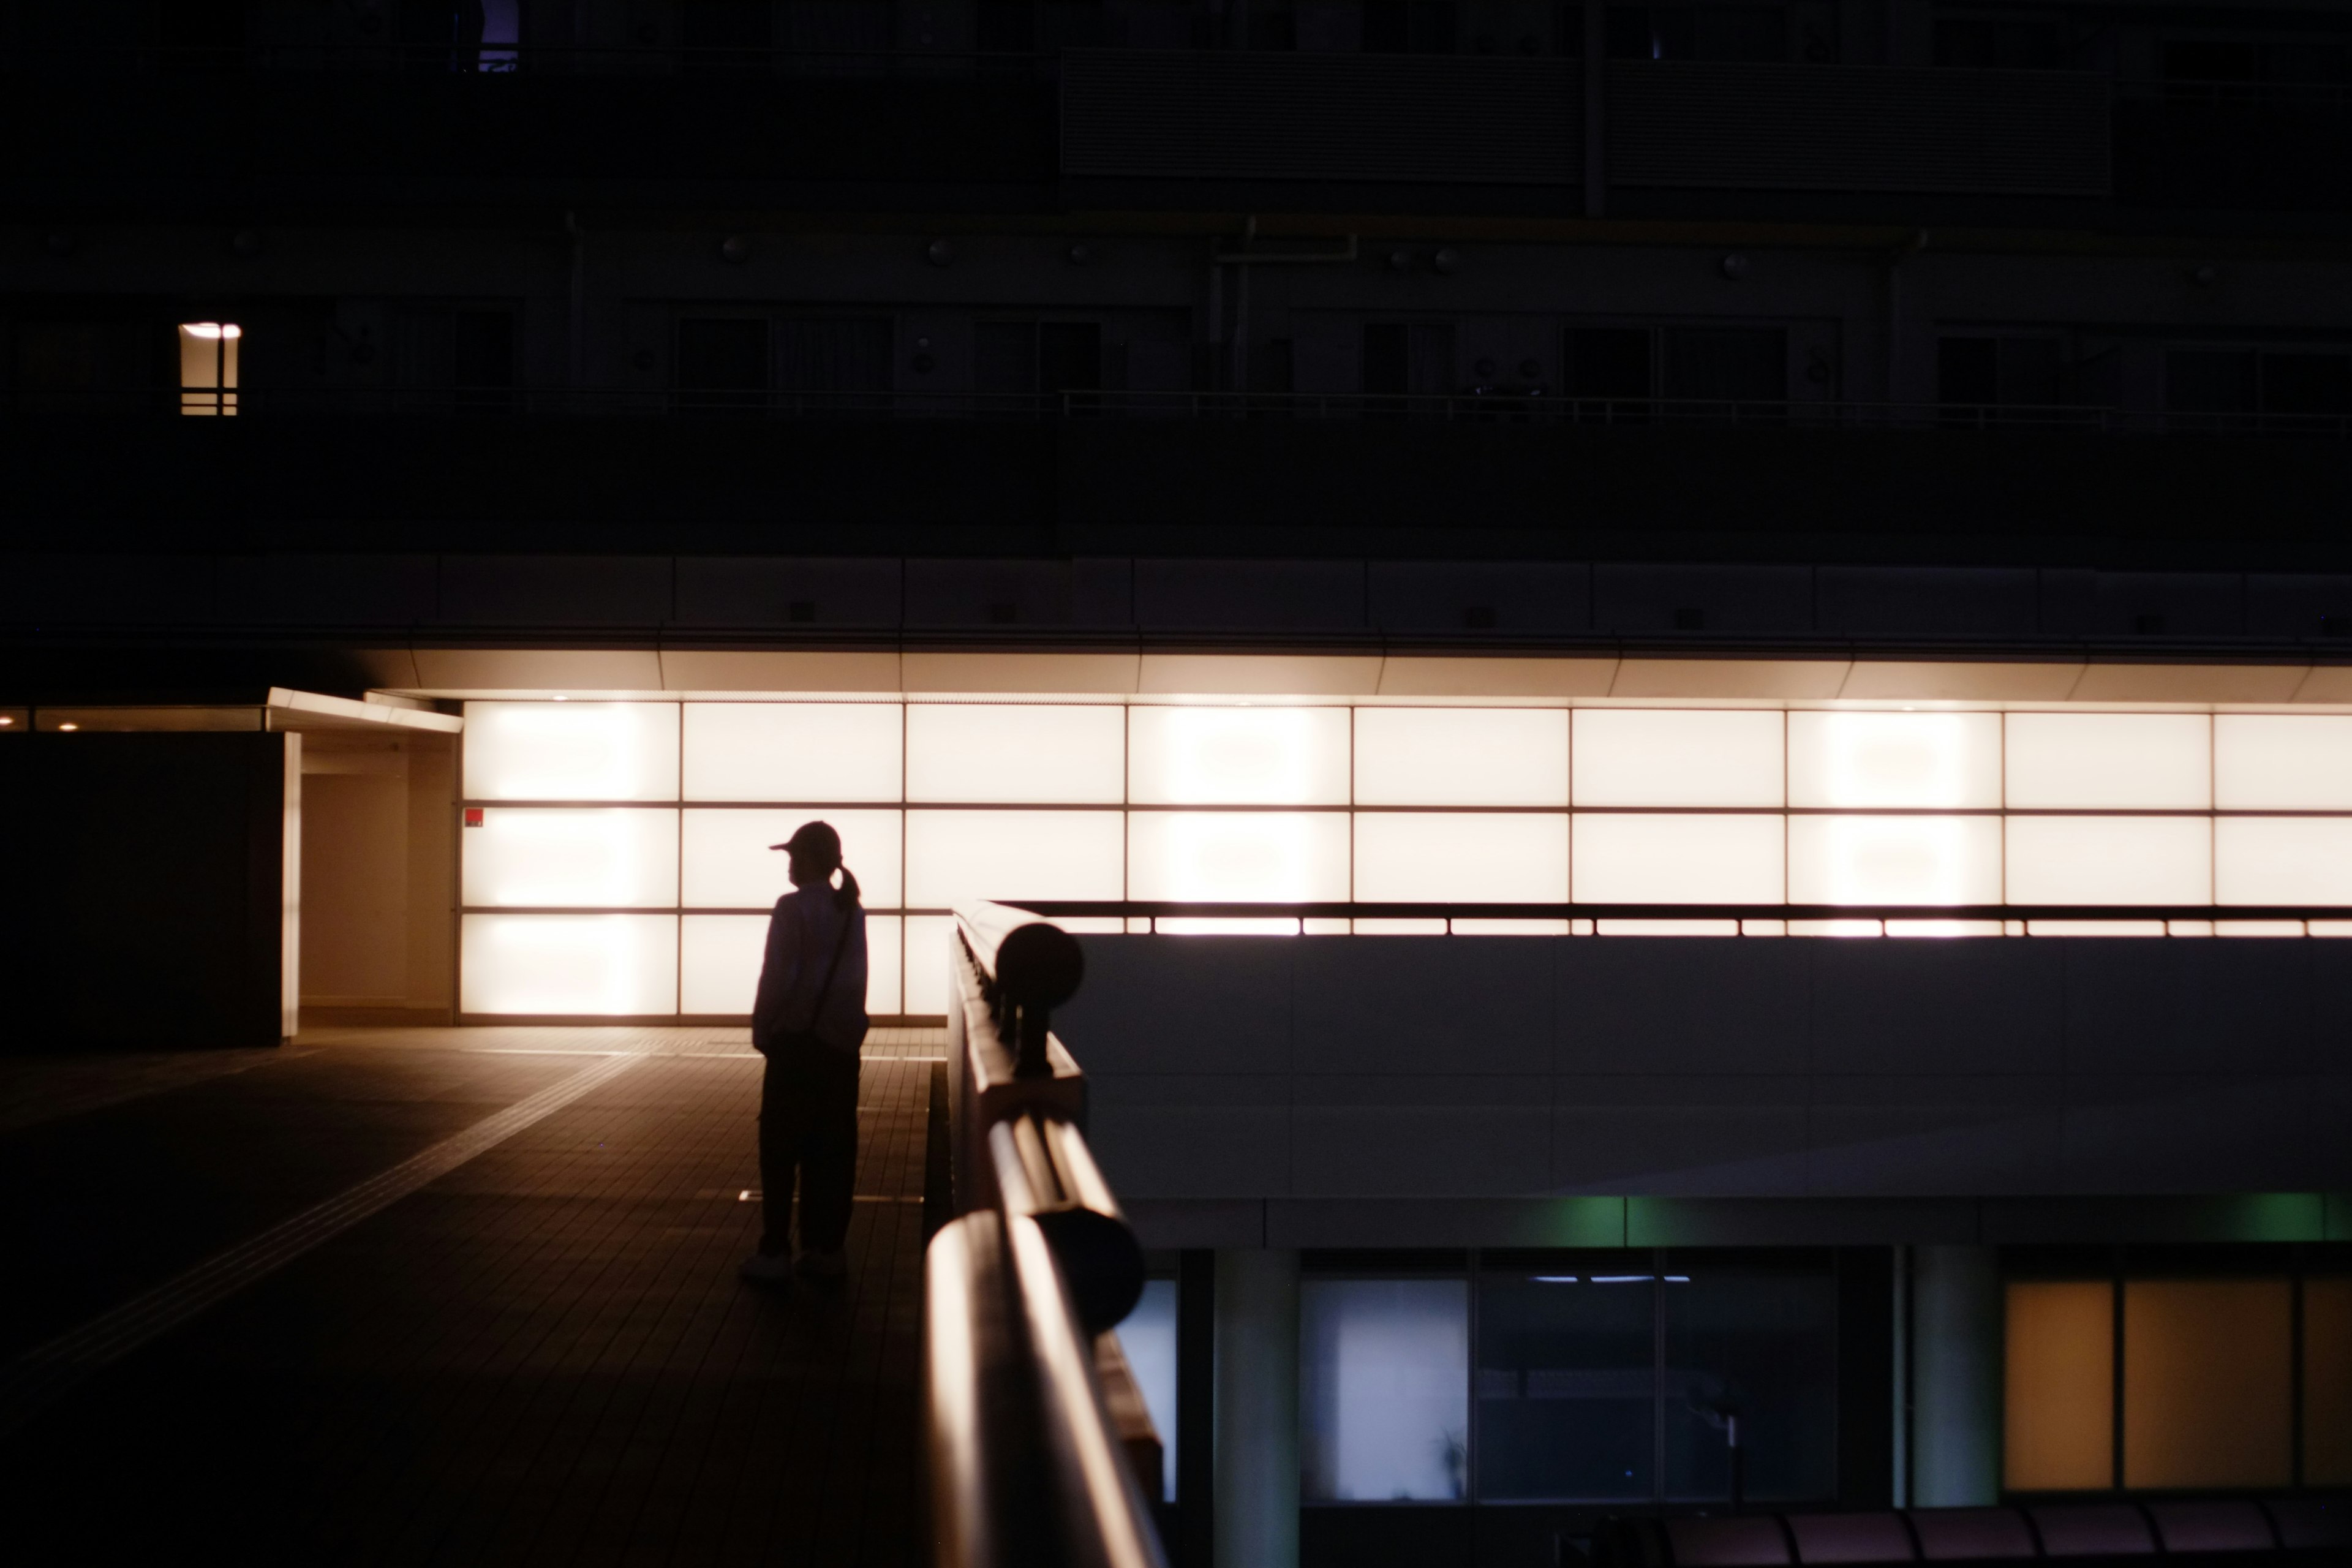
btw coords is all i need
(2209, 1383)
(2327, 1383)
(208, 367)
(2058, 1424)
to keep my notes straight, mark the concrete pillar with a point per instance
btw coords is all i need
(1956, 1376)
(1257, 1409)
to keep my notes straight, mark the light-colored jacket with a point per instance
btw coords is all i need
(801, 936)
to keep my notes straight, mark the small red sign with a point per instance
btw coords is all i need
(473, 816)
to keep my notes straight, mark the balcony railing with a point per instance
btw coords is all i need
(1038, 1437)
(1501, 405)
(1458, 918)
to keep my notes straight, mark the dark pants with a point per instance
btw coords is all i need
(808, 1128)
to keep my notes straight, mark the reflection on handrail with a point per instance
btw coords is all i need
(1037, 1442)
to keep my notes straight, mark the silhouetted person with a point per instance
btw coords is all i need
(809, 1020)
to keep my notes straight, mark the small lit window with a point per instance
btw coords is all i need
(208, 367)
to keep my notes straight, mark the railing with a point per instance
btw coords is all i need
(494, 58)
(1335, 918)
(1038, 1438)
(1505, 405)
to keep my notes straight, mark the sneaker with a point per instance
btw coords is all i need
(823, 1268)
(766, 1268)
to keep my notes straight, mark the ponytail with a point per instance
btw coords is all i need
(846, 896)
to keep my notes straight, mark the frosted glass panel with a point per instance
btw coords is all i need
(719, 958)
(1636, 758)
(1460, 756)
(1914, 759)
(592, 965)
(2149, 761)
(1895, 859)
(2110, 860)
(1238, 756)
(1043, 756)
(1148, 1338)
(1384, 1389)
(570, 751)
(926, 962)
(1440, 857)
(2283, 860)
(1276, 856)
(728, 863)
(1639, 859)
(792, 750)
(594, 857)
(956, 856)
(2282, 763)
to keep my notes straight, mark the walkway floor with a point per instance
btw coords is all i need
(539, 1355)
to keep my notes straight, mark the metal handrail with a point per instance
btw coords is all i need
(1503, 406)
(1037, 1439)
(2028, 914)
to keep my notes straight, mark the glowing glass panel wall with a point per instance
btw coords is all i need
(1460, 756)
(1638, 758)
(956, 856)
(726, 861)
(1029, 755)
(2269, 762)
(1637, 859)
(2283, 860)
(2147, 762)
(827, 752)
(2058, 1428)
(1278, 856)
(588, 858)
(1237, 756)
(1443, 857)
(1950, 760)
(566, 966)
(2110, 859)
(1895, 859)
(570, 751)
(719, 958)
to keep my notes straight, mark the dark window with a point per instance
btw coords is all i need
(849, 355)
(1739, 33)
(1069, 356)
(1005, 358)
(2211, 381)
(2211, 59)
(1606, 362)
(201, 25)
(722, 362)
(1732, 365)
(1007, 25)
(482, 347)
(725, 24)
(1415, 358)
(2003, 44)
(1751, 33)
(1968, 370)
(2306, 384)
(1414, 26)
(1567, 1379)
(1756, 1339)
(2019, 372)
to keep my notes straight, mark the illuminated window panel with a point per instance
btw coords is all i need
(1422, 926)
(727, 864)
(1895, 859)
(1642, 758)
(926, 963)
(208, 355)
(1913, 759)
(1276, 857)
(1225, 925)
(2149, 761)
(1836, 928)
(570, 751)
(1510, 928)
(1043, 756)
(956, 856)
(1428, 857)
(1384, 1389)
(1673, 928)
(1237, 756)
(1460, 756)
(2109, 860)
(2058, 1406)
(718, 958)
(606, 966)
(2283, 860)
(1943, 928)
(794, 751)
(2209, 1383)
(1635, 858)
(2269, 762)
(566, 857)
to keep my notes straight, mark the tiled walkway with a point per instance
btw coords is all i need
(542, 1356)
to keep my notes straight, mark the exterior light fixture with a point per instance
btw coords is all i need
(939, 253)
(563, 699)
(1080, 255)
(68, 726)
(735, 250)
(1446, 261)
(1735, 267)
